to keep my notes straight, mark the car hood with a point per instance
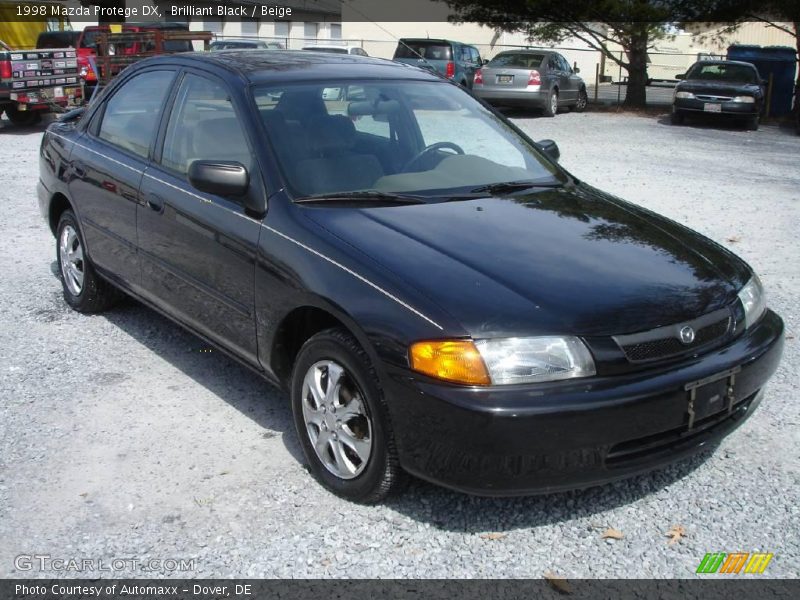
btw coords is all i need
(553, 261)
(717, 88)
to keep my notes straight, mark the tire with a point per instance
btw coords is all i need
(582, 102)
(677, 118)
(752, 123)
(23, 118)
(83, 289)
(551, 104)
(367, 475)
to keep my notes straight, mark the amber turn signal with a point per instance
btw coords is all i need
(452, 360)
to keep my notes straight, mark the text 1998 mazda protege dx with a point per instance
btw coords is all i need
(436, 293)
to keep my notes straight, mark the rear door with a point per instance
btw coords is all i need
(568, 90)
(198, 249)
(106, 170)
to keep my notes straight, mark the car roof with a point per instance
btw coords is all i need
(265, 66)
(527, 51)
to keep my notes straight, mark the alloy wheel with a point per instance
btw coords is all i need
(554, 103)
(581, 101)
(71, 258)
(336, 419)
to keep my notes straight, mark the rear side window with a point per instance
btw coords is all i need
(428, 50)
(203, 126)
(57, 39)
(132, 114)
(517, 60)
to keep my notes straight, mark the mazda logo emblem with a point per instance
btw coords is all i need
(687, 335)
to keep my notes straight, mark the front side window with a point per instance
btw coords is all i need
(426, 138)
(203, 126)
(132, 114)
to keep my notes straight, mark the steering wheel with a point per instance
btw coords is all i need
(428, 150)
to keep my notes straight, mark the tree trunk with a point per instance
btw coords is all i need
(636, 95)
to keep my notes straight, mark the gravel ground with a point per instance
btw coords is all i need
(121, 438)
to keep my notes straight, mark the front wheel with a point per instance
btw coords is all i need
(752, 123)
(582, 102)
(84, 290)
(677, 118)
(551, 104)
(342, 419)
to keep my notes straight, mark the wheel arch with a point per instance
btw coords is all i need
(298, 325)
(58, 204)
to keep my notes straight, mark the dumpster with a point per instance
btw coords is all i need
(780, 62)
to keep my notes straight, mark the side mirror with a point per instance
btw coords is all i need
(223, 178)
(550, 148)
(680, 76)
(485, 61)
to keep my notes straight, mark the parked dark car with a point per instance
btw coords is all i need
(531, 79)
(727, 88)
(453, 60)
(494, 325)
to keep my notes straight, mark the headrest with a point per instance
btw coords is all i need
(330, 134)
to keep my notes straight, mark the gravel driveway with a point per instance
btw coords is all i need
(121, 436)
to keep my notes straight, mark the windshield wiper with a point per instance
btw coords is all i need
(509, 187)
(362, 196)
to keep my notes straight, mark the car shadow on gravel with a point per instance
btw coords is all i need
(456, 512)
(237, 385)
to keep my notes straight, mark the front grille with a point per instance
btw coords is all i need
(706, 98)
(665, 342)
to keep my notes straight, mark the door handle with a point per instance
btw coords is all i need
(79, 170)
(155, 202)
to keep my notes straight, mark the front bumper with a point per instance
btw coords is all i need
(567, 435)
(526, 97)
(693, 105)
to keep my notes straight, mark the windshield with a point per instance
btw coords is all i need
(396, 137)
(722, 72)
(517, 60)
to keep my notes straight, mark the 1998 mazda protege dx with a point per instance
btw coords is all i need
(438, 295)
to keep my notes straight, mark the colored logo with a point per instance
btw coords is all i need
(737, 562)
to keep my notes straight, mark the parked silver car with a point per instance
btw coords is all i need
(532, 79)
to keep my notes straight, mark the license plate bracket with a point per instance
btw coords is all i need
(713, 107)
(711, 395)
(506, 79)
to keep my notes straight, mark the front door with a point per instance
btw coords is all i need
(198, 249)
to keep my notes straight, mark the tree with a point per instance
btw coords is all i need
(633, 24)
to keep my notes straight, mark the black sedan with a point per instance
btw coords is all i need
(437, 295)
(726, 88)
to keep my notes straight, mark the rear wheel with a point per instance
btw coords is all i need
(84, 290)
(23, 118)
(342, 419)
(582, 102)
(551, 104)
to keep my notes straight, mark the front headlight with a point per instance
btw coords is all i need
(753, 300)
(503, 361)
(744, 99)
(535, 359)
(684, 95)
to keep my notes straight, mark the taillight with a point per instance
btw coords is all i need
(5, 69)
(450, 70)
(534, 78)
(478, 77)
